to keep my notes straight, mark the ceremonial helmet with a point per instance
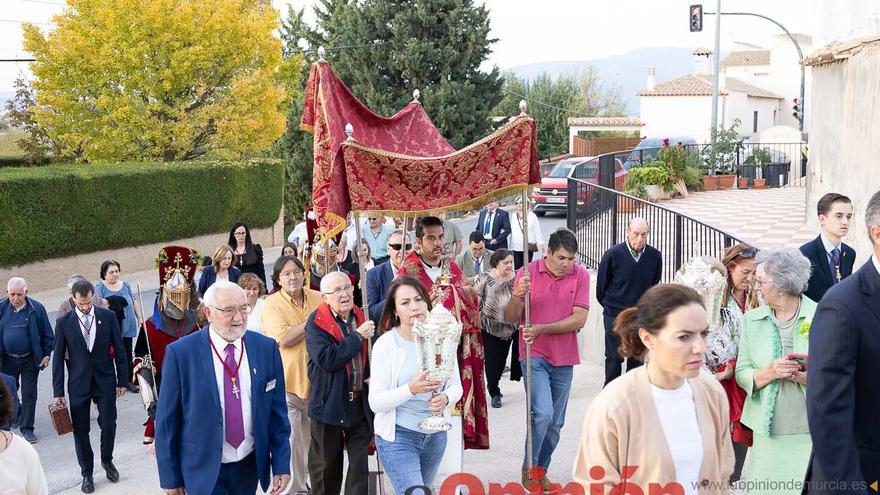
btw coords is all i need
(177, 269)
(319, 253)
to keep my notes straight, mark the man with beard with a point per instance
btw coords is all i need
(174, 317)
(445, 282)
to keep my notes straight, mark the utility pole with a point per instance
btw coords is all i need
(717, 57)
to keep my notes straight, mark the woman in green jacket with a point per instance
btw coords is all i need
(775, 381)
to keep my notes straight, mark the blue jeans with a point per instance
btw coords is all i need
(412, 459)
(550, 388)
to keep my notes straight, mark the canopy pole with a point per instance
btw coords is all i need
(362, 273)
(527, 311)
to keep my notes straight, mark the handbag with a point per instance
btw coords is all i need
(533, 247)
(60, 418)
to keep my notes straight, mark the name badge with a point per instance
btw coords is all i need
(270, 385)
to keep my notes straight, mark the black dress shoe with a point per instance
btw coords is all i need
(88, 484)
(496, 401)
(110, 469)
(133, 388)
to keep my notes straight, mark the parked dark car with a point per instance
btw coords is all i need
(647, 150)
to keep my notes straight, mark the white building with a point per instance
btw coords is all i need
(682, 107)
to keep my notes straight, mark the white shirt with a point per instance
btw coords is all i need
(20, 469)
(90, 342)
(829, 246)
(678, 417)
(876, 262)
(299, 233)
(231, 454)
(253, 322)
(433, 273)
(516, 234)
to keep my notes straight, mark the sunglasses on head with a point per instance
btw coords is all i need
(397, 247)
(748, 252)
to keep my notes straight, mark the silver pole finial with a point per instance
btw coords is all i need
(522, 108)
(321, 53)
(416, 95)
(349, 131)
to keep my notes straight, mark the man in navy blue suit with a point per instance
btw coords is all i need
(90, 338)
(843, 392)
(380, 276)
(830, 259)
(494, 224)
(221, 423)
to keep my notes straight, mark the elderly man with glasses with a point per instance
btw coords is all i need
(336, 340)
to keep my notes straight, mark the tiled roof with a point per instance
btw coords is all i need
(842, 51)
(701, 85)
(746, 58)
(605, 121)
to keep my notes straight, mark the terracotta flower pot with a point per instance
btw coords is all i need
(725, 181)
(760, 183)
(710, 182)
(742, 183)
(626, 205)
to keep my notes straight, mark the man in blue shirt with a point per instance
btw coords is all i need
(376, 233)
(26, 341)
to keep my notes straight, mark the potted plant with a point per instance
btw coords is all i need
(721, 157)
(742, 183)
(631, 187)
(675, 159)
(653, 178)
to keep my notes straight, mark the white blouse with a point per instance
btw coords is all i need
(516, 233)
(20, 469)
(678, 417)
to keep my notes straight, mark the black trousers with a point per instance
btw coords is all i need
(518, 259)
(325, 454)
(613, 361)
(80, 408)
(128, 342)
(238, 478)
(496, 351)
(25, 372)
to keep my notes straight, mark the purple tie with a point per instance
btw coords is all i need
(232, 395)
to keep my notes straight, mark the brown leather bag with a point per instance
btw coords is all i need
(60, 418)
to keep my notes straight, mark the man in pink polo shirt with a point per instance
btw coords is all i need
(559, 295)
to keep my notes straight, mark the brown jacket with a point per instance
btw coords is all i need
(622, 428)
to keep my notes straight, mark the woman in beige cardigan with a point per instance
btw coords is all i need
(663, 423)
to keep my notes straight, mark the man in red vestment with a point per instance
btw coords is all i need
(448, 283)
(174, 316)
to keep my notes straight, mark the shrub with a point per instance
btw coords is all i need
(650, 175)
(61, 210)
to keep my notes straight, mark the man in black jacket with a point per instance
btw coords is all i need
(626, 271)
(830, 259)
(86, 335)
(843, 393)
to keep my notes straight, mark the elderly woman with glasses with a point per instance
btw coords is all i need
(772, 368)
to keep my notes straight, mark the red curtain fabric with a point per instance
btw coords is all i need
(402, 163)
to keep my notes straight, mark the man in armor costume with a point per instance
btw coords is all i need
(174, 317)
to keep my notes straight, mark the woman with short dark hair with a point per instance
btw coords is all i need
(667, 405)
(248, 255)
(122, 301)
(20, 470)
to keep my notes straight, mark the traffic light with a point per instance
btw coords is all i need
(696, 11)
(798, 110)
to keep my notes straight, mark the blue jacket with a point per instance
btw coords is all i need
(330, 355)
(378, 279)
(821, 278)
(189, 420)
(42, 338)
(500, 228)
(90, 373)
(209, 276)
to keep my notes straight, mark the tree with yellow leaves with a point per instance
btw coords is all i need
(162, 79)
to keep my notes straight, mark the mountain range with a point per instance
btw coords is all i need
(627, 70)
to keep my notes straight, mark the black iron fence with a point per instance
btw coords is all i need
(599, 217)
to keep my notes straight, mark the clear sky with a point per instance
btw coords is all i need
(529, 31)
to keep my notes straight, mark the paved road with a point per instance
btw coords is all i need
(138, 469)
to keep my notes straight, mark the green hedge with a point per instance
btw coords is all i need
(61, 210)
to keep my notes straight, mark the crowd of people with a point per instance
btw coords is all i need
(760, 355)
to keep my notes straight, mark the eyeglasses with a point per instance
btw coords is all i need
(397, 247)
(241, 233)
(748, 252)
(244, 310)
(290, 273)
(339, 291)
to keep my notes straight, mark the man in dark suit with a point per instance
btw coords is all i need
(475, 260)
(843, 392)
(221, 424)
(494, 224)
(90, 337)
(830, 259)
(380, 276)
(626, 271)
(26, 342)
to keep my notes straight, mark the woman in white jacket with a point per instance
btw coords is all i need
(536, 238)
(401, 395)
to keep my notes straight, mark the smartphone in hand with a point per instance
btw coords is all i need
(800, 358)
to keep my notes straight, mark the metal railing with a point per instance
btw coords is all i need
(599, 216)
